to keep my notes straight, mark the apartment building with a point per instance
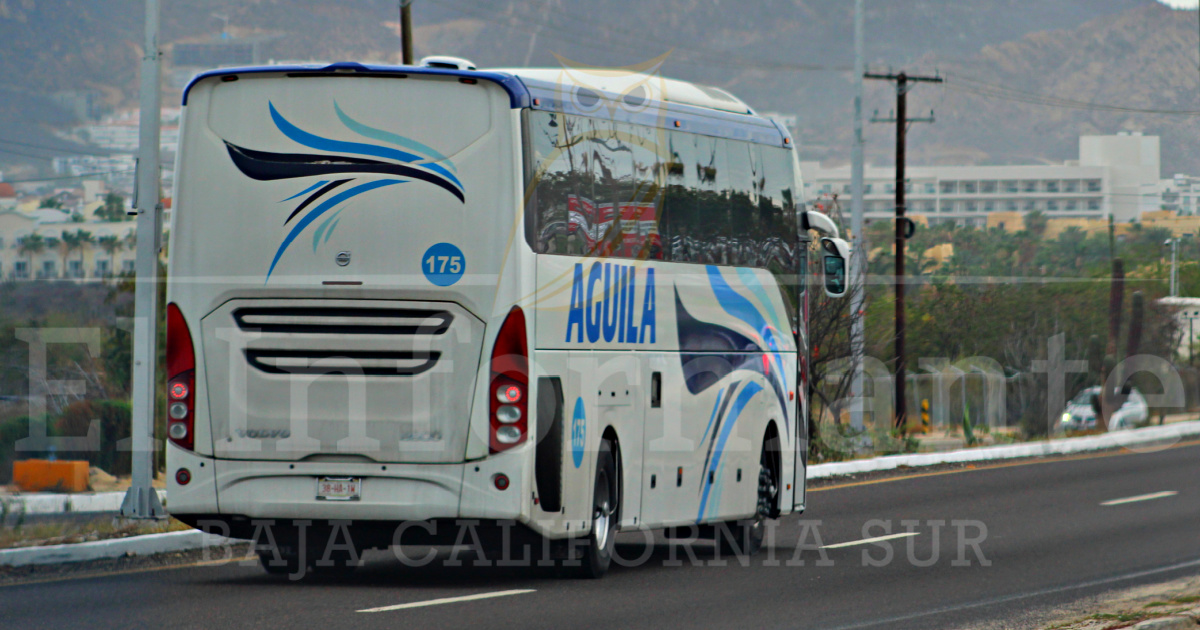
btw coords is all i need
(1114, 175)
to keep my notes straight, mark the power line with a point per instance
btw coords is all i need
(59, 149)
(530, 24)
(972, 86)
(28, 155)
(52, 179)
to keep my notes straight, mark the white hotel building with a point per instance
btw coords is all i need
(1114, 175)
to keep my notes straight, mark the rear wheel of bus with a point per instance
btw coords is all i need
(594, 555)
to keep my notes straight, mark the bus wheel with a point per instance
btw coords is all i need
(596, 551)
(746, 536)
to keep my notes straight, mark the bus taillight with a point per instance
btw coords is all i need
(181, 377)
(509, 418)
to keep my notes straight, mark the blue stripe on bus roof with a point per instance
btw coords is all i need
(517, 94)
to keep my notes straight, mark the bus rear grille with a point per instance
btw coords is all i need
(343, 321)
(349, 363)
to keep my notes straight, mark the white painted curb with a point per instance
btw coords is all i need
(115, 548)
(56, 503)
(1147, 438)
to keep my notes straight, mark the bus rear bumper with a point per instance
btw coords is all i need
(389, 492)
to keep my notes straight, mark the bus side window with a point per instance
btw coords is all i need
(778, 211)
(747, 228)
(550, 182)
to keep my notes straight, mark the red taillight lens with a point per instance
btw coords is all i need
(509, 417)
(181, 377)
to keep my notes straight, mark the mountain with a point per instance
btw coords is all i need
(791, 56)
(1142, 59)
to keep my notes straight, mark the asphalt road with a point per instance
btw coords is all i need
(1049, 541)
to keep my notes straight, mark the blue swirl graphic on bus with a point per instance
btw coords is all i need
(412, 161)
(713, 467)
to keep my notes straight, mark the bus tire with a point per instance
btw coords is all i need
(597, 550)
(745, 536)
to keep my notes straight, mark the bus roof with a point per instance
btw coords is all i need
(616, 81)
(518, 95)
(689, 106)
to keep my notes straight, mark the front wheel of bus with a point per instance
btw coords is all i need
(597, 550)
(746, 536)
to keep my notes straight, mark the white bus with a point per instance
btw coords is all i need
(406, 298)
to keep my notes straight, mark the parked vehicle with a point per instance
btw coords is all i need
(1080, 414)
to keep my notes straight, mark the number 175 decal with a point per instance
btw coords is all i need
(443, 264)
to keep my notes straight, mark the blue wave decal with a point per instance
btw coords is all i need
(389, 137)
(321, 209)
(735, 411)
(314, 141)
(716, 406)
(306, 190)
(269, 166)
(750, 280)
(327, 224)
(741, 308)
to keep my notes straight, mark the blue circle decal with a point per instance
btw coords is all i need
(578, 432)
(443, 264)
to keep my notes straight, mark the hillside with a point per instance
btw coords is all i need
(1141, 59)
(780, 55)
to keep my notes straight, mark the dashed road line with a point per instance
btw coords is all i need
(1141, 497)
(448, 600)
(867, 541)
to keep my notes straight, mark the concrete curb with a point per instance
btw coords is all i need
(55, 503)
(114, 548)
(1148, 438)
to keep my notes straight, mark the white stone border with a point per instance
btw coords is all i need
(35, 503)
(114, 548)
(1146, 438)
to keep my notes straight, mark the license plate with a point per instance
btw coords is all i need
(339, 488)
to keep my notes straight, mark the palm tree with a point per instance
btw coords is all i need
(69, 243)
(31, 245)
(85, 239)
(111, 244)
(130, 240)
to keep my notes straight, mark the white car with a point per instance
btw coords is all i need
(1081, 416)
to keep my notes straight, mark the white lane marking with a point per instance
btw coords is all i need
(1143, 497)
(867, 541)
(447, 600)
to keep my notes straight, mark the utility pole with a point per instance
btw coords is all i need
(406, 31)
(141, 501)
(903, 224)
(1174, 243)
(858, 258)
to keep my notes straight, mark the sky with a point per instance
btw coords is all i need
(1181, 4)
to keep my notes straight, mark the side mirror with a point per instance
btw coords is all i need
(835, 253)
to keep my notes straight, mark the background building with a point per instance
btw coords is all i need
(1114, 175)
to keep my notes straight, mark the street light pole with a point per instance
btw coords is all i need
(141, 501)
(406, 36)
(858, 258)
